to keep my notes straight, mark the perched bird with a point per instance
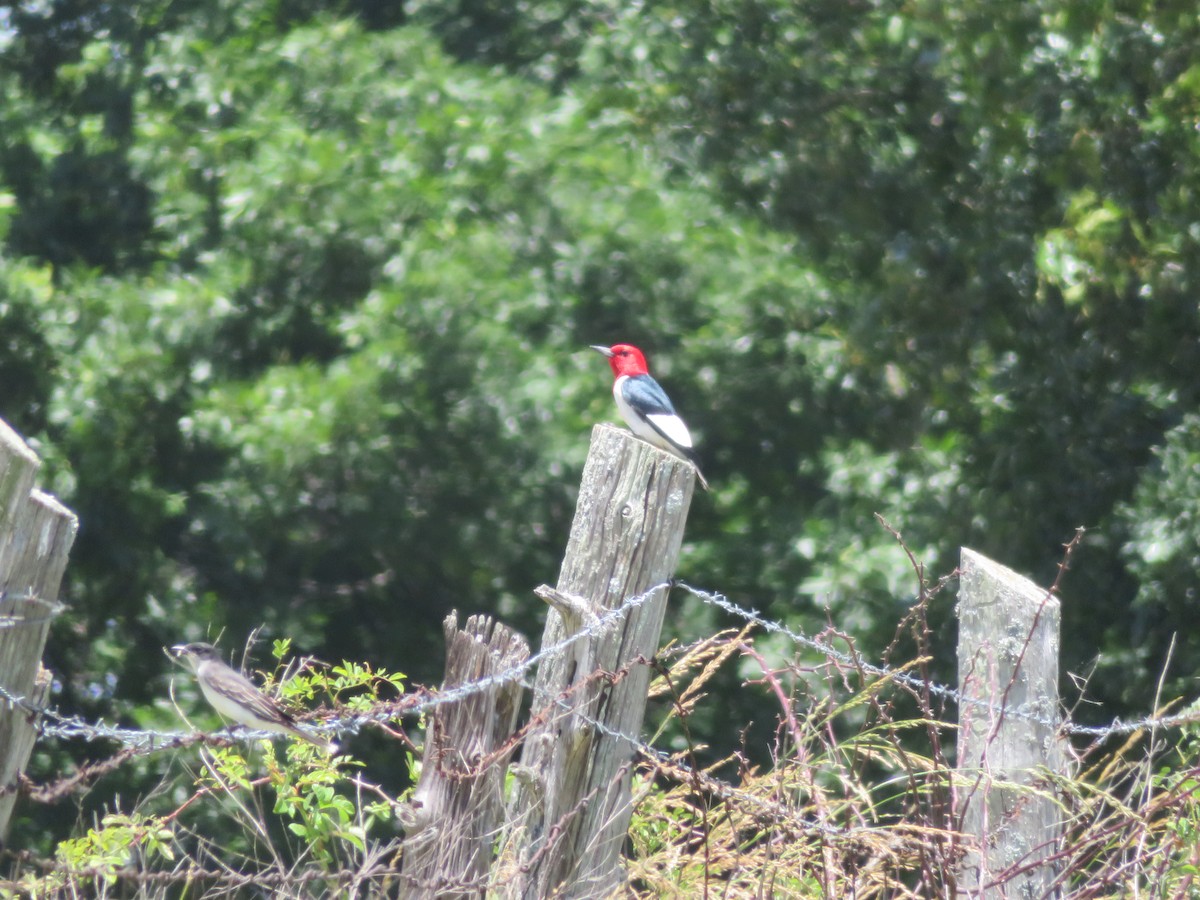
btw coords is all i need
(645, 406)
(235, 697)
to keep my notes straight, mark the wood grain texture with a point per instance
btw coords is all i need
(36, 533)
(571, 809)
(456, 810)
(1008, 675)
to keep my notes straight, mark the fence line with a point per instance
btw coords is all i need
(145, 741)
(1117, 726)
(73, 727)
(764, 799)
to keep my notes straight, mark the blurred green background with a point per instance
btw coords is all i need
(295, 300)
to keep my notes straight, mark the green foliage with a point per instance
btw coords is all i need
(296, 295)
(321, 817)
(1000, 200)
(1164, 551)
(848, 808)
(28, 362)
(367, 417)
(104, 852)
(1181, 834)
(313, 796)
(324, 814)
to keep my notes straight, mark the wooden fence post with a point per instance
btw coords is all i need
(1008, 741)
(454, 818)
(572, 805)
(36, 533)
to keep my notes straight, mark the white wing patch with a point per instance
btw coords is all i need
(673, 428)
(662, 429)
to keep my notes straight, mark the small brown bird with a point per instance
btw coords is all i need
(235, 697)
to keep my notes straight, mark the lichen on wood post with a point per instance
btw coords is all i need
(572, 805)
(1009, 748)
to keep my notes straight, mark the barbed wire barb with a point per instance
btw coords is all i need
(61, 726)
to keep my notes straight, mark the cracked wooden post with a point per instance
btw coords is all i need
(454, 818)
(571, 809)
(1009, 750)
(36, 533)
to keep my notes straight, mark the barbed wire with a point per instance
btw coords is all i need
(773, 804)
(720, 788)
(72, 727)
(61, 726)
(595, 628)
(1115, 728)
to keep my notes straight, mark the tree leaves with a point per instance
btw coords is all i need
(313, 352)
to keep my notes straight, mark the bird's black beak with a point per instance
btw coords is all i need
(599, 348)
(178, 650)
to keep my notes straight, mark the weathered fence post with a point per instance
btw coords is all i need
(457, 807)
(570, 814)
(1008, 722)
(36, 533)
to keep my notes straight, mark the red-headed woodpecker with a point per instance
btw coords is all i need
(645, 406)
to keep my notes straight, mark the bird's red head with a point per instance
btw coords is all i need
(625, 359)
